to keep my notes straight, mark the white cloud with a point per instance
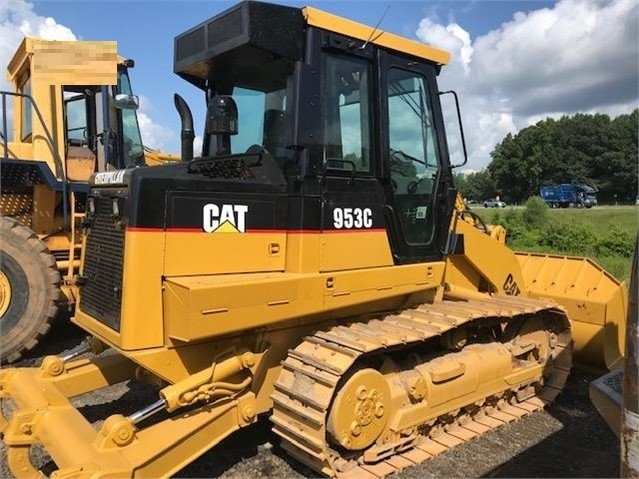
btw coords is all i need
(154, 135)
(19, 19)
(197, 145)
(574, 57)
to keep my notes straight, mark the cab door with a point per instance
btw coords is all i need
(353, 234)
(415, 160)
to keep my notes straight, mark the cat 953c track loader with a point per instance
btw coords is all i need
(73, 113)
(314, 264)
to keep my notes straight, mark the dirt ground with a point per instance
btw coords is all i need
(568, 439)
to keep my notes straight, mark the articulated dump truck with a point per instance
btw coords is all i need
(315, 264)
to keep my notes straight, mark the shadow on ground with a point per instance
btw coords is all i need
(584, 447)
(63, 337)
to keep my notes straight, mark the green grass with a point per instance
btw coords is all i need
(600, 220)
(600, 217)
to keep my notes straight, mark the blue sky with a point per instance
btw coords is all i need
(510, 57)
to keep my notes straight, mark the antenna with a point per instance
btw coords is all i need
(375, 29)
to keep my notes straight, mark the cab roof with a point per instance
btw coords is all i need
(327, 21)
(250, 33)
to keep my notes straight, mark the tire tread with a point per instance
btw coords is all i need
(43, 265)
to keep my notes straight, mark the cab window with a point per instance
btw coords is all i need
(76, 118)
(25, 121)
(347, 118)
(133, 151)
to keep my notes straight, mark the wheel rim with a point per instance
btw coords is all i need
(5, 294)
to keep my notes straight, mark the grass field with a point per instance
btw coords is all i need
(601, 220)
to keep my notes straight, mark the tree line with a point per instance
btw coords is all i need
(584, 148)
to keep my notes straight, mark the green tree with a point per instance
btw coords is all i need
(591, 149)
(481, 185)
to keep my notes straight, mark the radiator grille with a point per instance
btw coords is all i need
(101, 293)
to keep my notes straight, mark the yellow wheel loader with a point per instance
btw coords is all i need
(314, 264)
(73, 113)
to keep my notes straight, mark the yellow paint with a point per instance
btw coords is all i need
(333, 23)
(199, 307)
(595, 301)
(73, 62)
(50, 65)
(44, 202)
(141, 318)
(479, 261)
(155, 157)
(214, 315)
(226, 227)
(5, 294)
(142, 303)
(353, 250)
(302, 252)
(19, 151)
(196, 253)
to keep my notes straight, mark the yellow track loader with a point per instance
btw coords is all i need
(73, 113)
(315, 265)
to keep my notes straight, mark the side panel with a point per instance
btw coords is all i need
(224, 233)
(355, 249)
(189, 253)
(198, 307)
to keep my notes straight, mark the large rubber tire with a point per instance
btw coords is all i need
(30, 289)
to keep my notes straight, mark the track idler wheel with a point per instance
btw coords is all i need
(360, 410)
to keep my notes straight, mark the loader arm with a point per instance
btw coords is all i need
(595, 301)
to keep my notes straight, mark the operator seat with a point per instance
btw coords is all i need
(274, 137)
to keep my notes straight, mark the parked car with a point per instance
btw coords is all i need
(493, 203)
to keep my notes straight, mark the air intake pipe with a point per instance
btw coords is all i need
(186, 119)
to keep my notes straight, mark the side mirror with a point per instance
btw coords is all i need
(127, 102)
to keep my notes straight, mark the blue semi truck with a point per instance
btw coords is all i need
(569, 195)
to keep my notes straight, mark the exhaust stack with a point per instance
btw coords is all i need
(186, 119)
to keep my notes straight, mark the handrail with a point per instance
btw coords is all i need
(461, 127)
(56, 155)
(4, 126)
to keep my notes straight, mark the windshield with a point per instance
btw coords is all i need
(133, 151)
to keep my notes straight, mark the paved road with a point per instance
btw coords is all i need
(569, 439)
